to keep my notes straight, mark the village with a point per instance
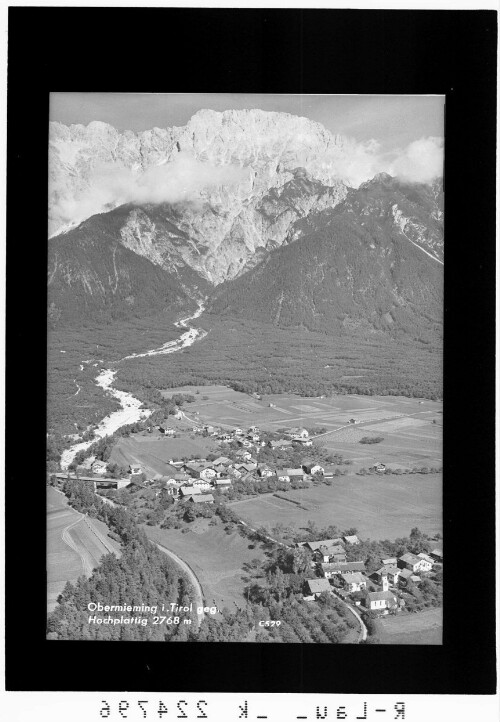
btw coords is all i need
(253, 457)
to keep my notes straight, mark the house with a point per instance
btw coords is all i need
(334, 553)
(353, 581)
(187, 491)
(245, 468)
(437, 555)
(135, 469)
(387, 576)
(404, 576)
(221, 461)
(202, 499)
(242, 454)
(392, 561)
(331, 569)
(427, 562)
(220, 469)
(302, 441)
(224, 437)
(312, 468)
(180, 476)
(379, 467)
(253, 437)
(281, 475)
(264, 471)
(194, 469)
(353, 539)
(253, 430)
(238, 432)
(99, 467)
(329, 472)
(380, 601)
(164, 429)
(318, 586)
(411, 562)
(209, 429)
(208, 474)
(222, 484)
(202, 484)
(234, 472)
(353, 421)
(299, 433)
(295, 474)
(314, 545)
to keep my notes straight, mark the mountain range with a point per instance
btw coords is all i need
(277, 237)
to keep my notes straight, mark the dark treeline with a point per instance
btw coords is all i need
(141, 576)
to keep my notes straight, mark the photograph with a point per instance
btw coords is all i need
(245, 314)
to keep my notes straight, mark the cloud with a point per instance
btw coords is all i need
(420, 162)
(111, 185)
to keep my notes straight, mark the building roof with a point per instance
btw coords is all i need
(343, 567)
(221, 460)
(353, 539)
(281, 472)
(353, 577)
(426, 557)
(388, 569)
(405, 573)
(375, 596)
(410, 558)
(313, 545)
(437, 552)
(391, 560)
(187, 490)
(225, 482)
(200, 498)
(295, 472)
(317, 586)
(335, 551)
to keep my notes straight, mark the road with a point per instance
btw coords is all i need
(198, 591)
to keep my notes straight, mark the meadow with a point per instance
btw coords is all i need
(424, 627)
(215, 557)
(153, 453)
(380, 507)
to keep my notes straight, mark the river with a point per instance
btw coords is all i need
(131, 411)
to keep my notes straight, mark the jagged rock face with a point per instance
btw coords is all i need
(385, 206)
(370, 267)
(291, 169)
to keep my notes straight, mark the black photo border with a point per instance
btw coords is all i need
(262, 51)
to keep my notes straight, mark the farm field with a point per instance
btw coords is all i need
(221, 405)
(380, 507)
(72, 548)
(421, 628)
(153, 453)
(215, 557)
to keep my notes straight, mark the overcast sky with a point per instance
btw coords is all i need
(394, 121)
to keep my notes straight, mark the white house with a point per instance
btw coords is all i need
(99, 467)
(208, 474)
(134, 469)
(353, 581)
(318, 586)
(202, 484)
(427, 562)
(376, 601)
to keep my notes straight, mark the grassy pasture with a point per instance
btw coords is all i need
(231, 408)
(153, 453)
(380, 507)
(421, 628)
(215, 557)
